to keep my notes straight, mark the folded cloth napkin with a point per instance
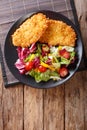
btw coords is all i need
(13, 10)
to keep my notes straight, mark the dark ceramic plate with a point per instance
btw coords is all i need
(11, 54)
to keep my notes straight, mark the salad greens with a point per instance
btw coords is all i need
(44, 62)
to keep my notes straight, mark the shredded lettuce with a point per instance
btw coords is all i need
(28, 58)
(44, 59)
(38, 51)
(68, 48)
(44, 76)
(64, 61)
(56, 65)
(72, 54)
(54, 51)
(54, 75)
(40, 76)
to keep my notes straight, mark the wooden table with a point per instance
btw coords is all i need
(60, 108)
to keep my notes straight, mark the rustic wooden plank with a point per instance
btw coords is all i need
(13, 108)
(82, 16)
(1, 100)
(85, 99)
(74, 105)
(54, 109)
(75, 90)
(33, 109)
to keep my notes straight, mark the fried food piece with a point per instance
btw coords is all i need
(30, 31)
(58, 33)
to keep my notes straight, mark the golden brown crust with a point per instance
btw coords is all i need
(58, 33)
(30, 31)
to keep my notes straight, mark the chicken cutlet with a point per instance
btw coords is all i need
(58, 33)
(30, 31)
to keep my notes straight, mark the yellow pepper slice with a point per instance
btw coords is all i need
(60, 48)
(47, 66)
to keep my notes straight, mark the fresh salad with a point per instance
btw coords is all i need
(44, 62)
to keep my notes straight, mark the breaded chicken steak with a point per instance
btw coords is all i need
(30, 31)
(58, 33)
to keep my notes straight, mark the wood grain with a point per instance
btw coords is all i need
(54, 108)
(1, 100)
(82, 17)
(85, 99)
(12, 112)
(33, 108)
(74, 103)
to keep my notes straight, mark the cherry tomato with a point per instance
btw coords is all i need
(42, 68)
(63, 72)
(28, 66)
(64, 53)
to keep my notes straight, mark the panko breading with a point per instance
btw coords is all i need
(58, 33)
(30, 31)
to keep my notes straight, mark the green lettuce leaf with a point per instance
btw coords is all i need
(44, 76)
(40, 76)
(64, 61)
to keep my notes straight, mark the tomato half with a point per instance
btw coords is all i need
(28, 66)
(42, 68)
(64, 53)
(63, 72)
